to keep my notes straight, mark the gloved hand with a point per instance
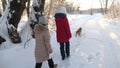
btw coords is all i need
(50, 55)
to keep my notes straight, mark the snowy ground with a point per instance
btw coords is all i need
(98, 46)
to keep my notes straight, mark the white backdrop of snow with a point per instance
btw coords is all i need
(98, 46)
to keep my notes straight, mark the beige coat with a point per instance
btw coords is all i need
(43, 46)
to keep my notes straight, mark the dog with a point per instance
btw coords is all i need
(78, 32)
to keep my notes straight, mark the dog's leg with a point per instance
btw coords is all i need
(79, 34)
(76, 34)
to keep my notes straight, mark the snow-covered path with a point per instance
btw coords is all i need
(98, 47)
(109, 56)
(95, 48)
(111, 41)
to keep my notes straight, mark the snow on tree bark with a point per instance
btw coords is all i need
(37, 11)
(15, 12)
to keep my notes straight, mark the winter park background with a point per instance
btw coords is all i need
(97, 47)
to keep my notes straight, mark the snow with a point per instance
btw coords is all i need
(97, 47)
(35, 3)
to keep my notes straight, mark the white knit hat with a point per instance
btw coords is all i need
(42, 20)
(61, 9)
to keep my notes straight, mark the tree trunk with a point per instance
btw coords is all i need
(91, 10)
(4, 3)
(61, 1)
(49, 11)
(2, 40)
(106, 6)
(15, 13)
(38, 6)
(28, 7)
(16, 10)
(102, 8)
(0, 14)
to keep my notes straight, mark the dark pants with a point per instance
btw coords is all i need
(65, 49)
(50, 63)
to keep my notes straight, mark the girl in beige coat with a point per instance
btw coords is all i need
(43, 47)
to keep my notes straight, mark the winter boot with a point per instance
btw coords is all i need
(55, 65)
(63, 58)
